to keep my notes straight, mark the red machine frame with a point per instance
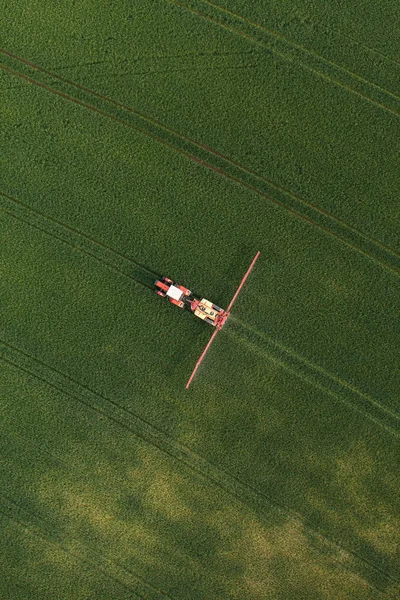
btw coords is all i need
(226, 316)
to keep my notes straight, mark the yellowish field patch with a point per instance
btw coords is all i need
(262, 552)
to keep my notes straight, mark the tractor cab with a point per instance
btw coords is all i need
(181, 296)
(176, 294)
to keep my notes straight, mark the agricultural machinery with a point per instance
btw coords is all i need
(204, 309)
(182, 297)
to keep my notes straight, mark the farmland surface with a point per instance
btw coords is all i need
(178, 137)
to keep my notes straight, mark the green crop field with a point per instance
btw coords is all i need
(179, 137)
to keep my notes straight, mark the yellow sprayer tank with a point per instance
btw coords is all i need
(205, 310)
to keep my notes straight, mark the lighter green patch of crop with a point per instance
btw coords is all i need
(371, 518)
(163, 496)
(384, 535)
(86, 508)
(374, 521)
(103, 492)
(263, 552)
(161, 490)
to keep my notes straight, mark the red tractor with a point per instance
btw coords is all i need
(182, 297)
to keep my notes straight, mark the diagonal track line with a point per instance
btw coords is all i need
(308, 51)
(143, 429)
(363, 243)
(133, 271)
(293, 52)
(198, 145)
(319, 377)
(61, 463)
(125, 578)
(79, 241)
(136, 425)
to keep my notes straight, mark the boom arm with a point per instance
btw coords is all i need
(227, 312)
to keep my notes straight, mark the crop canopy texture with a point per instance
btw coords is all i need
(177, 138)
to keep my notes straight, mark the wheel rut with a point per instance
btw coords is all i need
(282, 198)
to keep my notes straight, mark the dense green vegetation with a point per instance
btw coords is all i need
(178, 138)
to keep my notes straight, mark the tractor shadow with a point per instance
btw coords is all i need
(144, 276)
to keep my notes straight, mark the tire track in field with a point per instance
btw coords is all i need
(318, 24)
(294, 52)
(128, 268)
(20, 516)
(222, 165)
(339, 34)
(308, 50)
(141, 428)
(317, 376)
(387, 58)
(135, 424)
(58, 461)
(322, 27)
(345, 36)
(79, 241)
(77, 467)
